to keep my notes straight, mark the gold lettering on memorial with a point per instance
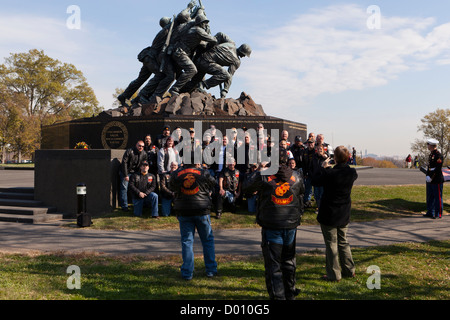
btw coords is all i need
(115, 135)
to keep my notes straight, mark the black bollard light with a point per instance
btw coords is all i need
(83, 218)
(81, 197)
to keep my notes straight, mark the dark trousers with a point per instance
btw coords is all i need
(278, 248)
(230, 202)
(435, 202)
(338, 255)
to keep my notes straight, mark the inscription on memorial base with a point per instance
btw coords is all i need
(105, 132)
(114, 135)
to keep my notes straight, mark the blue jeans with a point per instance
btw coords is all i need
(318, 192)
(229, 196)
(278, 247)
(187, 231)
(123, 189)
(251, 203)
(283, 236)
(308, 190)
(435, 203)
(151, 199)
(166, 206)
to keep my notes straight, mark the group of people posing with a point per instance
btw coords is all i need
(163, 158)
(190, 189)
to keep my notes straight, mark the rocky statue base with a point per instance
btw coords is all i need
(112, 129)
(195, 103)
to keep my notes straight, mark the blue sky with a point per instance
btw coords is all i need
(314, 62)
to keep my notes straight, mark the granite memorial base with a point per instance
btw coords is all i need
(59, 168)
(123, 132)
(59, 172)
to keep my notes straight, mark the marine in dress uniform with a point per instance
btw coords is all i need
(435, 181)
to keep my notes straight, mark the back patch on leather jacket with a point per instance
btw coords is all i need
(190, 185)
(282, 194)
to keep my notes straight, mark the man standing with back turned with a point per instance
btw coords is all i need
(279, 212)
(435, 181)
(192, 205)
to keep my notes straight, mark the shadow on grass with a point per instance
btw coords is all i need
(386, 209)
(408, 272)
(389, 208)
(164, 282)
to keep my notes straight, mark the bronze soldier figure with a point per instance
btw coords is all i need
(213, 61)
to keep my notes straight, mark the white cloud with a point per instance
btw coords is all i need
(91, 49)
(331, 50)
(28, 31)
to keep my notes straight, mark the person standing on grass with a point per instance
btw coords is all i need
(279, 212)
(318, 159)
(192, 205)
(435, 181)
(307, 171)
(166, 156)
(334, 213)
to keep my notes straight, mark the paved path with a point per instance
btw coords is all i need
(379, 176)
(16, 237)
(373, 176)
(16, 178)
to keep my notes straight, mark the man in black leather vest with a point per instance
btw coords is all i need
(279, 214)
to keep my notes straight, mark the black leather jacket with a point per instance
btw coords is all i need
(132, 160)
(142, 183)
(193, 188)
(164, 186)
(337, 183)
(434, 171)
(280, 204)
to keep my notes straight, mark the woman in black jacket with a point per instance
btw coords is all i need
(334, 213)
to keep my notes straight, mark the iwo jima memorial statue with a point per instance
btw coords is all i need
(183, 63)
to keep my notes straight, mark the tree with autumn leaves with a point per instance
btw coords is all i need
(37, 90)
(434, 125)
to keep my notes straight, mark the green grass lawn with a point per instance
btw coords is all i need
(17, 165)
(408, 271)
